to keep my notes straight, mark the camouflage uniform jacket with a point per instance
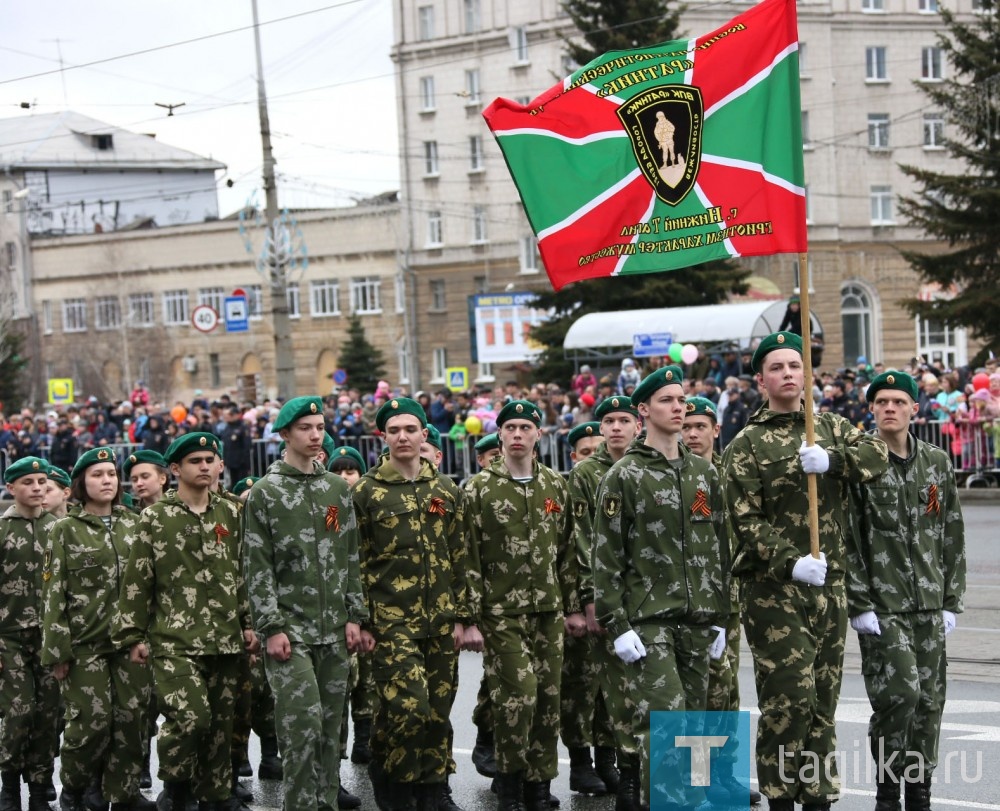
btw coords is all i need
(183, 587)
(23, 544)
(301, 543)
(908, 551)
(521, 554)
(413, 557)
(83, 578)
(583, 483)
(766, 492)
(657, 550)
(734, 583)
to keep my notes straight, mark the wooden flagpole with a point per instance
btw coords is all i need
(810, 416)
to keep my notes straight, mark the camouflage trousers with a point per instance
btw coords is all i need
(361, 685)
(309, 691)
(904, 670)
(796, 635)
(239, 750)
(415, 682)
(583, 710)
(197, 696)
(724, 688)
(614, 682)
(522, 660)
(261, 700)
(107, 699)
(29, 696)
(482, 713)
(673, 675)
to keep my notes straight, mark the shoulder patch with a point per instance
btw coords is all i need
(579, 508)
(612, 505)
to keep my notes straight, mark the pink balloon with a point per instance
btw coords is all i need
(689, 353)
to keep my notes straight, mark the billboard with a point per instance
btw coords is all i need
(501, 327)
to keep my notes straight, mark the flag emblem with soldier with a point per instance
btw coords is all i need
(663, 157)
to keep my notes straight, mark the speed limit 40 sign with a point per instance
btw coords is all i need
(204, 318)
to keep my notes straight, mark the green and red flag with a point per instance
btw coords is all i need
(659, 158)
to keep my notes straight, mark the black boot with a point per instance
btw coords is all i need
(815, 806)
(270, 761)
(174, 796)
(887, 793)
(361, 752)
(536, 795)
(604, 765)
(93, 797)
(510, 792)
(427, 795)
(70, 800)
(10, 791)
(38, 799)
(390, 795)
(137, 803)
(918, 795)
(239, 791)
(446, 802)
(50, 791)
(483, 754)
(145, 776)
(628, 796)
(726, 789)
(347, 800)
(582, 777)
(780, 804)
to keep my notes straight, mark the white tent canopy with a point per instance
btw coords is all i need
(714, 324)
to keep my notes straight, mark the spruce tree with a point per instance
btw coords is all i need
(362, 361)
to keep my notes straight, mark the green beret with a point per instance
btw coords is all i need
(25, 466)
(519, 410)
(142, 457)
(128, 501)
(892, 379)
(490, 442)
(584, 429)
(616, 402)
(434, 436)
(701, 407)
(399, 405)
(652, 383)
(192, 443)
(93, 457)
(244, 484)
(329, 446)
(295, 408)
(776, 340)
(345, 452)
(59, 476)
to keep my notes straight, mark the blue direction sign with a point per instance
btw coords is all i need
(237, 315)
(648, 344)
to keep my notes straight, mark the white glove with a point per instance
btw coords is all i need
(810, 570)
(718, 647)
(814, 459)
(866, 623)
(950, 621)
(629, 647)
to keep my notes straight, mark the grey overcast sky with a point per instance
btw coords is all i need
(329, 79)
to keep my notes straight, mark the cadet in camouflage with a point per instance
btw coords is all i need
(905, 586)
(794, 606)
(522, 582)
(105, 694)
(29, 694)
(183, 592)
(661, 573)
(413, 563)
(305, 589)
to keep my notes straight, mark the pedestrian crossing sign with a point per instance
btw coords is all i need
(457, 377)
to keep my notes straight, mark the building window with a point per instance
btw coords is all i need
(933, 131)
(481, 285)
(403, 357)
(940, 344)
(440, 363)
(875, 65)
(873, 5)
(472, 88)
(520, 44)
(431, 168)
(75, 315)
(47, 318)
(8, 201)
(175, 307)
(435, 232)
(476, 161)
(293, 297)
(366, 295)
(425, 22)
(9, 256)
(140, 310)
(107, 312)
(479, 224)
(878, 131)
(473, 16)
(255, 302)
(324, 297)
(530, 262)
(439, 299)
(214, 297)
(214, 370)
(485, 373)
(803, 62)
(857, 318)
(427, 96)
(929, 6)
(524, 101)
(932, 64)
(881, 204)
(806, 136)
